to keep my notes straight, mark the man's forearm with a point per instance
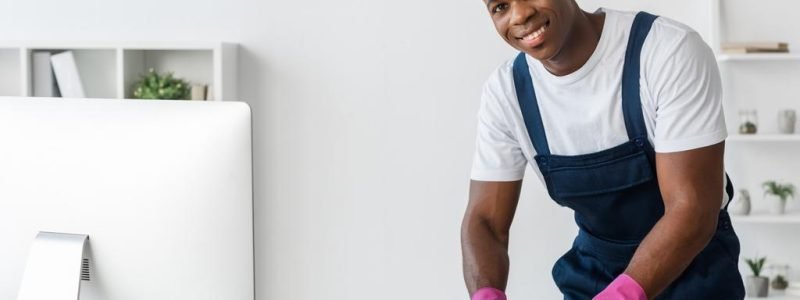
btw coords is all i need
(485, 256)
(671, 245)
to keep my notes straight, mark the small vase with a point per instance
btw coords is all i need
(741, 205)
(757, 286)
(748, 121)
(778, 205)
(786, 120)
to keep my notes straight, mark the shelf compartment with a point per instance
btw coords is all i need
(195, 66)
(97, 69)
(10, 84)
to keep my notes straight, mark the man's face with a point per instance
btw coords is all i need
(536, 27)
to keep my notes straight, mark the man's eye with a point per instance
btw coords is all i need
(499, 8)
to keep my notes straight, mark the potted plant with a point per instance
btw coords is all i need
(778, 193)
(780, 283)
(165, 87)
(757, 285)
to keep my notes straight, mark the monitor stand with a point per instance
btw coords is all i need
(56, 266)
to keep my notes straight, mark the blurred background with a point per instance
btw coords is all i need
(364, 123)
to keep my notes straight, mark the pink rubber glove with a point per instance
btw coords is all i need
(622, 288)
(489, 293)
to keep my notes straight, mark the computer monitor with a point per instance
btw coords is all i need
(163, 189)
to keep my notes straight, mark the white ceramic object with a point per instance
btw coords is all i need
(757, 286)
(786, 121)
(777, 206)
(741, 205)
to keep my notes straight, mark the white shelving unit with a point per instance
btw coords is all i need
(109, 69)
(767, 83)
(748, 75)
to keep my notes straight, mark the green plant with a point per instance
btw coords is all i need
(782, 191)
(157, 86)
(780, 283)
(756, 265)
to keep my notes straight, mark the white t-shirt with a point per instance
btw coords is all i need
(680, 88)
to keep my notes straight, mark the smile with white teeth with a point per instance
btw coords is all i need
(535, 34)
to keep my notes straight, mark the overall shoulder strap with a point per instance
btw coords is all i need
(526, 95)
(631, 99)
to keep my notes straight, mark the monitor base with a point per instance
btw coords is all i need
(56, 265)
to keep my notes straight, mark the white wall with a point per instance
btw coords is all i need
(365, 116)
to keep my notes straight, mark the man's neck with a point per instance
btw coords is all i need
(580, 44)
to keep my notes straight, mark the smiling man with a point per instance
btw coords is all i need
(620, 116)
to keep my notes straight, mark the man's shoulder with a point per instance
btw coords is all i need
(668, 38)
(673, 39)
(664, 30)
(501, 80)
(667, 32)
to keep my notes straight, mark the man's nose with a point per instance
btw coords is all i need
(521, 11)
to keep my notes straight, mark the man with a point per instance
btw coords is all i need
(619, 114)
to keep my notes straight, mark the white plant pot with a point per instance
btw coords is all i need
(757, 286)
(777, 206)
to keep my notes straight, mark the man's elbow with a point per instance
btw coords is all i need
(698, 221)
(477, 225)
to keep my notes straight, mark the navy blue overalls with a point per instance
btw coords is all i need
(616, 199)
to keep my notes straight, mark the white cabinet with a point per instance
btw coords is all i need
(108, 69)
(766, 83)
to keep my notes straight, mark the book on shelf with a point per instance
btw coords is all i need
(751, 50)
(755, 47)
(762, 45)
(67, 76)
(44, 81)
(198, 92)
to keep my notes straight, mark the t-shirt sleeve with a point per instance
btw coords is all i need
(686, 86)
(498, 155)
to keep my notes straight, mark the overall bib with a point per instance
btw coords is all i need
(616, 199)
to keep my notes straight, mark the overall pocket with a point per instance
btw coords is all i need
(600, 177)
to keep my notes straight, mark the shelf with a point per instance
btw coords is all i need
(767, 218)
(759, 57)
(109, 69)
(764, 138)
